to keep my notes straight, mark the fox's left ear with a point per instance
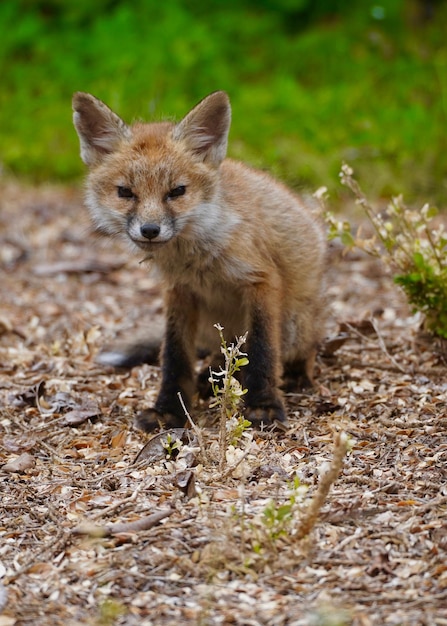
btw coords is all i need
(205, 128)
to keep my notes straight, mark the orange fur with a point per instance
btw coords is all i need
(230, 243)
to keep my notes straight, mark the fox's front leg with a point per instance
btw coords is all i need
(177, 363)
(262, 375)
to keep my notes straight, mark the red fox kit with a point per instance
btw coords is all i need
(232, 246)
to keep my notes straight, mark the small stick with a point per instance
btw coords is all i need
(119, 528)
(384, 348)
(118, 504)
(311, 515)
(197, 431)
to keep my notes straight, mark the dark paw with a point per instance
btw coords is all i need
(297, 375)
(150, 420)
(266, 416)
(292, 384)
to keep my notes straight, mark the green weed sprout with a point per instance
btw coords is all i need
(296, 517)
(407, 241)
(278, 518)
(172, 446)
(228, 392)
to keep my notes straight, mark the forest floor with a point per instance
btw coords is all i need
(227, 549)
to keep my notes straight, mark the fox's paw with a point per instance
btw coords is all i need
(150, 420)
(292, 384)
(266, 416)
(298, 375)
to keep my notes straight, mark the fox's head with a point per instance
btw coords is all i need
(150, 182)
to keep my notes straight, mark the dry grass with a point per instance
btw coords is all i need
(377, 553)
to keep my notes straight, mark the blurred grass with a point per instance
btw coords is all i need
(311, 83)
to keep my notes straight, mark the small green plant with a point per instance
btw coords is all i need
(228, 392)
(297, 515)
(277, 518)
(172, 446)
(285, 519)
(407, 241)
(237, 426)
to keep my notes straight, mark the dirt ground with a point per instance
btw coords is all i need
(226, 550)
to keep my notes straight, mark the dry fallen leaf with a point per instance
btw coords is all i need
(332, 344)
(18, 444)
(119, 440)
(185, 481)
(78, 416)
(20, 464)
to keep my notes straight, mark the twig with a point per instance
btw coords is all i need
(118, 504)
(195, 429)
(119, 528)
(384, 348)
(50, 449)
(327, 480)
(223, 434)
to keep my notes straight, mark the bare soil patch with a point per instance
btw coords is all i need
(378, 554)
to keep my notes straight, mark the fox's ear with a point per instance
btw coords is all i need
(205, 128)
(100, 130)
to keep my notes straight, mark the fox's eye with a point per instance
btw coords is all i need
(176, 192)
(125, 192)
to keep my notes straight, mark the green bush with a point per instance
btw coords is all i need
(312, 83)
(410, 244)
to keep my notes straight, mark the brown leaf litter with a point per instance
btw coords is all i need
(193, 546)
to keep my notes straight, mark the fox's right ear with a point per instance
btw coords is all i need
(100, 130)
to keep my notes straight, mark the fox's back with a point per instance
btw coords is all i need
(277, 227)
(274, 212)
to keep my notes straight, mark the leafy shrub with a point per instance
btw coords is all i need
(407, 241)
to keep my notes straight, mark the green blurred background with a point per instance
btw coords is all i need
(312, 83)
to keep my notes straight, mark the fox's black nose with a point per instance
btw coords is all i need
(149, 230)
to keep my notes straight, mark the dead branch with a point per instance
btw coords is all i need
(120, 503)
(120, 528)
(310, 517)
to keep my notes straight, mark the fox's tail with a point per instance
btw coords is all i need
(127, 355)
